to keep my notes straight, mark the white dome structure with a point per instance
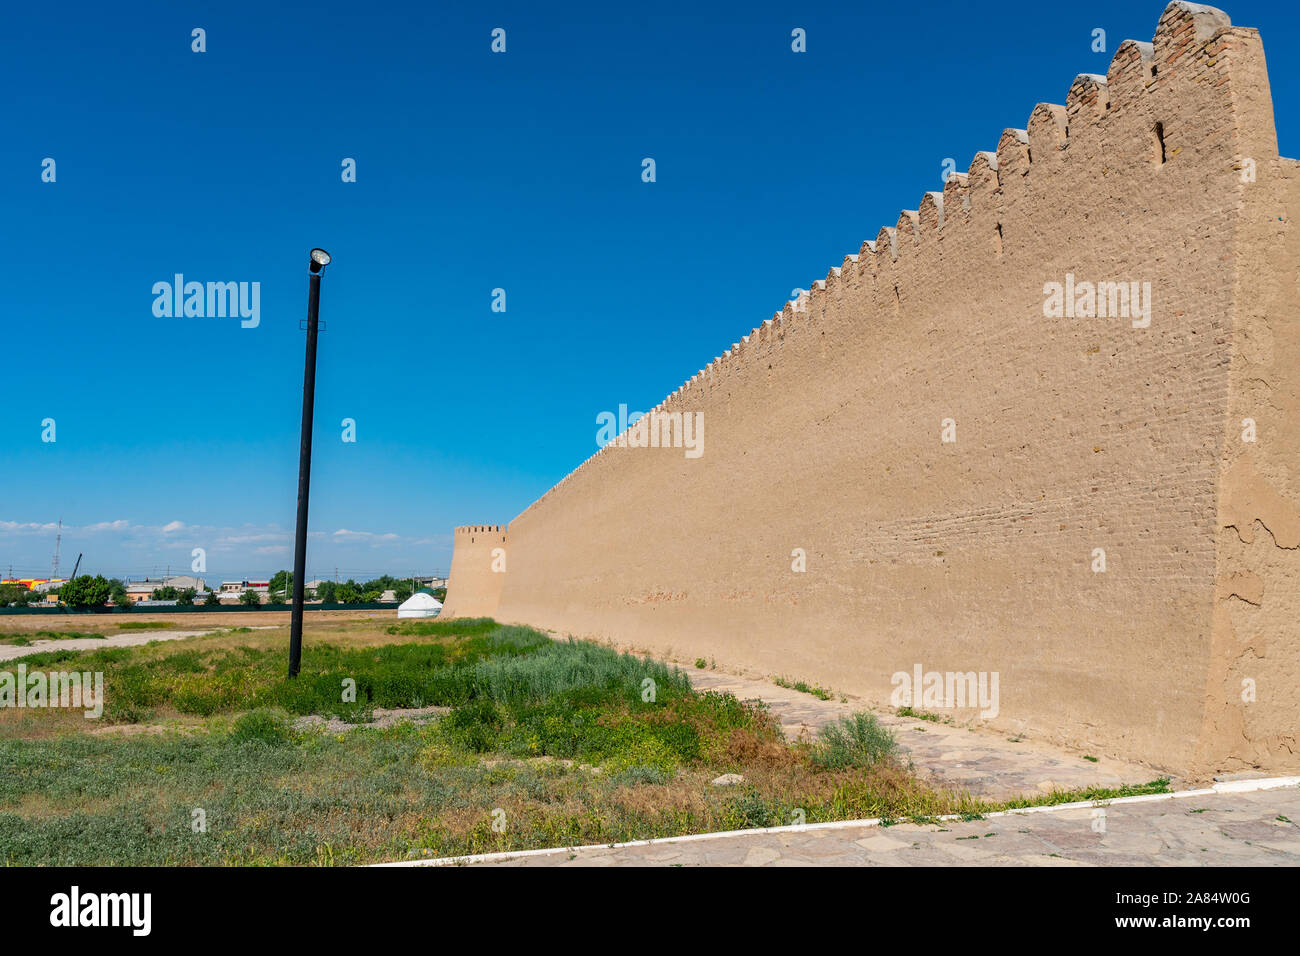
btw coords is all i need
(420, 604)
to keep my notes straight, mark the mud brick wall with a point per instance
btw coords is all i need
(823, 432)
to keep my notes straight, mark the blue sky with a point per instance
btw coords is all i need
(475, 171)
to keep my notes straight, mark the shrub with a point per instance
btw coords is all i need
(475, 726)
(264, 726)
(553, 669)
(625, 751)
(857, 740)
(748, 811)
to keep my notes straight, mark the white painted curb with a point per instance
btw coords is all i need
(1232, 786)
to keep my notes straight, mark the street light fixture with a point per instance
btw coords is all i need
(319, 260)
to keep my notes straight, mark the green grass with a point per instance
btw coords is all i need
(267, 726)
(1084, 794)
(803, 688)
(574, 742)
(273, 796)
(143, 625)
(922, 715)
(463, 626)
(373, 796)
(203, 682)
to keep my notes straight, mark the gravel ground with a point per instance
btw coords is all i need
(383, 718)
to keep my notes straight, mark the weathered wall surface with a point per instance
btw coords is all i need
(823, 433)
(474, 587)
(1253, 691)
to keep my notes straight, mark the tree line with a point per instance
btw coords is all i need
(87, 592)
(346, 592)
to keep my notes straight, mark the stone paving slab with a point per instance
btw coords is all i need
(983, 762)
(1221, 829)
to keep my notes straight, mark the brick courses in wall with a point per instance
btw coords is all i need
(823, 433)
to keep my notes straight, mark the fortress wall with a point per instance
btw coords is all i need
(822, 432)
(474, 589)
(1257, 637)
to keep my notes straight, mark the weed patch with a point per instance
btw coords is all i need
(857, 740)
(804, 688)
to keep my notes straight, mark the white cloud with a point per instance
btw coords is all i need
(250, 538)
(121, 547)
(26, 527)
(121, 524)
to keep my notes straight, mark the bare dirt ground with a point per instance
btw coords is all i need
(177, 627)
(194, 621)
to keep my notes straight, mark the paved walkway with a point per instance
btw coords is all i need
(1195, 828)
(985, 763)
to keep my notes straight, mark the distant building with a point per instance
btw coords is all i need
(239, 587)
(182, 582)
(141, 591)
(35, 584)
(138, 592)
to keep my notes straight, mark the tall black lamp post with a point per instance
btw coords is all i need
(319, 260)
